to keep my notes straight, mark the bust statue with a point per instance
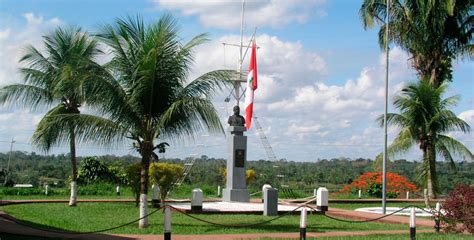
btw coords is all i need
(236, 119)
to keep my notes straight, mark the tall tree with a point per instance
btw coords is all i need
(58, 78)
(434, 32)
(425, 120)
(149, 97)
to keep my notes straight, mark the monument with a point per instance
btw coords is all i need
(236, 186)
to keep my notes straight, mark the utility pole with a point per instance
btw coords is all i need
(385, 158)
(9, 159)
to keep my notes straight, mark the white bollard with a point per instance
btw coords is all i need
(437, 217)
(265, 186)
(322, 198)
(46, 189)
(412, 224)
(196, 200)
(408, 194)
(303, 224)
(218, 191)
(155, 200)
(117, 190)
(167, 223)
(360, 194)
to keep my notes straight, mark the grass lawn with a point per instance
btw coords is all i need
(96, 216)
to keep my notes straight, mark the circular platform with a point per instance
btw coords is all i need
(239, 208)
(389, 210)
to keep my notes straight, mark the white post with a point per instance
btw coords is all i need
(303, 224)
(117, 190)
(154, 194)
(46, 188)
(196, 200)
(360, 194)
(218, 191)
(143, 223)
(412, 224)
(155, 202)
(322, 199)
(425, 193)
(265, 186)
(73, 198)
(408, 194)
(167, 223)
(437, 217)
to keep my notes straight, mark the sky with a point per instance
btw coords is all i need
(321, 74)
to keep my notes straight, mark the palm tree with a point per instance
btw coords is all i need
(433, 32)
(147, 97)
(424, 120)
(60, 77)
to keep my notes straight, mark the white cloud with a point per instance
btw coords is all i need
(282, 66)
(468, 116)
(226, 14)
(14, 40)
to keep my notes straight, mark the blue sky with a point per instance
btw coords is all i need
(321, 74)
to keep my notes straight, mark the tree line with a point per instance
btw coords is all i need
(333, 173)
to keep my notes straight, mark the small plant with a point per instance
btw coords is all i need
(165, 175)
(459, 210)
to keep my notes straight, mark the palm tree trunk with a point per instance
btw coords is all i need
(145, 163)
(432, 173)
(72, 145)
(428, 177)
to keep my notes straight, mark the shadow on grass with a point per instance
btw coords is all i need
(12, 228)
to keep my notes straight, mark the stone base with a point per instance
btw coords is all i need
(235, 195)
(156, 203)
(196, 208)
(322, 208)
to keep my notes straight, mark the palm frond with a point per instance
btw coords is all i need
(25, 95)
(455, 147)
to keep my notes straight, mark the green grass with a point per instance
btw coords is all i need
(95, 216)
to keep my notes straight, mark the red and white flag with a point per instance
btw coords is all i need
(251, 85)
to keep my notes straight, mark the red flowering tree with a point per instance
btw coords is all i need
(371, 183)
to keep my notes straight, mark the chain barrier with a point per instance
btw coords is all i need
(255, 193)
(73, 232)
(433, 212)
(234, 225)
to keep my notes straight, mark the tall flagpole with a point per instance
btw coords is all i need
(385, 158)
(237, 82)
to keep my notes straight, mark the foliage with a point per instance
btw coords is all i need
(93, 171)
(302, 176)
(459, 210)
(133, 179)
(425, 119)
(371, 183)
(250, 175)
(433, 32)
(165, 175)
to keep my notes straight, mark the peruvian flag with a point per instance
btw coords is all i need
(251, 85)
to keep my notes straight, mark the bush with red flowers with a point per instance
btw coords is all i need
(371, 183)
(459, 210)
